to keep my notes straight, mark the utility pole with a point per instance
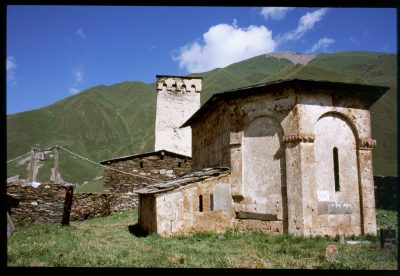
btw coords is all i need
(31, 167)
(56, 178)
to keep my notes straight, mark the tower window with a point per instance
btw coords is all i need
(179, 164)
(336, 168)
(141, 164)
(211, 202)
(201, 203)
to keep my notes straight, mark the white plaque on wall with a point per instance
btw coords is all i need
(323, 195)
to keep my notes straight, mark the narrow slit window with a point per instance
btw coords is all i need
(200, 203)
(179, 164)
(211, 202)
(336, 168)
(141, 164)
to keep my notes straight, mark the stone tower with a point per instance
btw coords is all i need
(177, 99)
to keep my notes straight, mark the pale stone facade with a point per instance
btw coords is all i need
(177, 99)
(197, 202)
(299, 154)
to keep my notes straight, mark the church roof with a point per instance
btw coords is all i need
(184, 180)
(370, 93)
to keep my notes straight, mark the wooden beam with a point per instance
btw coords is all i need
(255, 216)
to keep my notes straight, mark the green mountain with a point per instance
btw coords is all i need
(110, 121)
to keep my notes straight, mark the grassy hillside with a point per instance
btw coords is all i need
(110, 121)
(101, 122)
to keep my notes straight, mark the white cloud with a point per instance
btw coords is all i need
(275, 13)
(74, 91)
(225, 44)
(81, 33)
(78, 74)
(354, 39)
(322, 45)
(11, 67)
(306, 23)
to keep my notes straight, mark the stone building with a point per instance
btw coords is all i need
(144, 169)
(300, 159)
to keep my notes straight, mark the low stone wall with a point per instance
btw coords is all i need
(47, 203)
(90, 205)
(58, 204)
(124, 202)
(93, 205)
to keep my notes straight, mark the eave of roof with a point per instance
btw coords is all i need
(187, 179)
(141, 155)
(373, 92)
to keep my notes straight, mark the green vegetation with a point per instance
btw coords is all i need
(105, 122)
(387, 219)
(108, 242)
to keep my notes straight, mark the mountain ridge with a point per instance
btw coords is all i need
(107, 121)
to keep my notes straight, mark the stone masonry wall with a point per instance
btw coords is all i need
(152, 167)
(90, 205)
(93, 205)
(57, 204)
(46, 203)
(179, 211)
(177, 99)
(211, 141)
(124, 202)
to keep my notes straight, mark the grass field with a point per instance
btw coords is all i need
(111, 242)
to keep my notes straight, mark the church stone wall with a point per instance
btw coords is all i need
(313, 122)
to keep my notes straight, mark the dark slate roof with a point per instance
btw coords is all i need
(141, 155)
(188, 178)
(369, 92)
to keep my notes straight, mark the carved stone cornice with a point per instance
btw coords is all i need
(304, 138)
(366, 144)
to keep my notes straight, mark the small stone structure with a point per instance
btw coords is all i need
(177, 99)
(149, 167)
(199, 201)
(300, 159)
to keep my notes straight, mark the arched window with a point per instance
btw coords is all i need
(336, 168)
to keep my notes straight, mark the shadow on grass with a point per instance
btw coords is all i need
(137, 231)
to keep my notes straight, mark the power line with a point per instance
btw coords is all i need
(18, 157)
(109, 168)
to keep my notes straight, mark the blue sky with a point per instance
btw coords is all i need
(54, 52)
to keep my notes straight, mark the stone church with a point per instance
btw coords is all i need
(285, 156)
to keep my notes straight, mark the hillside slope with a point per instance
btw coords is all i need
(110, 121)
